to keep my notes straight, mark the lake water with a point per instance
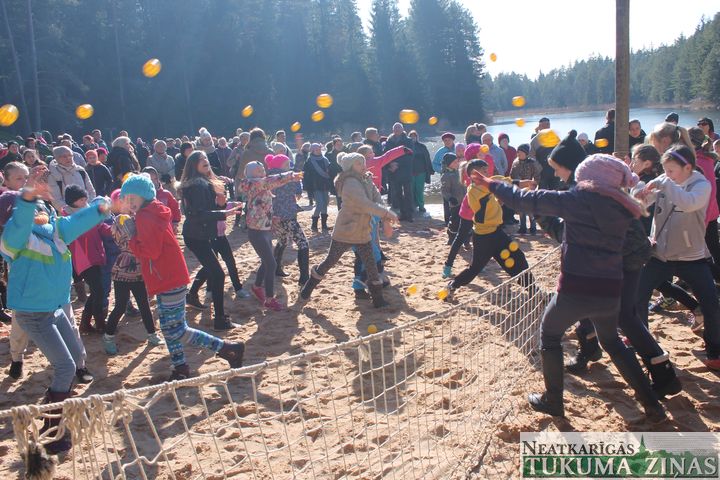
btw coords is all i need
(587, 122)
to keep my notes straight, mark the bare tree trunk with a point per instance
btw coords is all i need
(622, 76)
(16, 63)
(121, 89)
(33, 63)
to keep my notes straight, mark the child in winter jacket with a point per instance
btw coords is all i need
(525, 168)
(285, 224)
(361, 200)
(452, 191)
(257, 188)
(165, 272)
(88, 257)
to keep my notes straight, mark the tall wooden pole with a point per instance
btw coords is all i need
(622, 77)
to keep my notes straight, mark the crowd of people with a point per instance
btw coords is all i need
(105, 220)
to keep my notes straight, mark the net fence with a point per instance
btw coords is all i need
(432, 398)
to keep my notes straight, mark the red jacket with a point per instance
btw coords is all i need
(375, 165)
(167, 199)
(161, 260)
(88, 249)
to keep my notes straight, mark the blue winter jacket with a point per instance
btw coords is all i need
(285, 205)
(40, 264)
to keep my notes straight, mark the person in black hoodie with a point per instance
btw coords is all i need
(607, 133)
(401, 178)
(332, 150)
(185, 150)
(202, 193)
(99, 174)
(422, 171)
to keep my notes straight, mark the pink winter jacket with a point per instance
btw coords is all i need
(88, 250)
(707, 165)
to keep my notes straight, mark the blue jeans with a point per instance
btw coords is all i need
(322, 198)
(53, 335)
(698, 275)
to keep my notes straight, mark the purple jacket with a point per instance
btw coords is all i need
(592, 243)
(285, 205)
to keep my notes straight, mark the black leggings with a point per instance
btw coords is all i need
(122, 297)
(94, 305)
(210, 271)
(712, 241)
(221, 246)
(463, 234)
(490, 246)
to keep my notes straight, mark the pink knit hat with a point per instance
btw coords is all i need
(471, 151)
(606, 170)
(275, 161)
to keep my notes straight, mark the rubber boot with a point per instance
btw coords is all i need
(324, 218)
(85, 318)
(550, 402)
(278, 254)
(79, 287)
(588, 351)
(310, 285)
(64, 443)
(314, 226)
(626, 363)
(303, 265)
(232, 353)
(376, 292)
(664, 380)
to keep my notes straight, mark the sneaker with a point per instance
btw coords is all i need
(15, 370)
(180, 372)
(273, 304)
(361, 294)
(447, 271)
(83, 375)
(193, 301)
(697, 322)
(662, 304)
(155, 340)
(109, 344)
(713, 363)
(258, 293)
(241, 293)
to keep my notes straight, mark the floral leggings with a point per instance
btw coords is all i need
(290, 230)
(364, 251)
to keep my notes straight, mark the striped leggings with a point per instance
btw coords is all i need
(171, 309)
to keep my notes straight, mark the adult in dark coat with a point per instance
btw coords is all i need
(422, 171)
(608, 133)
(401, 178)
(120, 161)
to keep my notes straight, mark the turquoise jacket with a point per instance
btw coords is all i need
(437, 159)
(40, 265)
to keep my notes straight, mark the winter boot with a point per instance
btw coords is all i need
(278, 254)
(232, 353)
(626, 363)
(550, 402)
(589, 351)
(85, 318)
(180, 372)
(662, 374)
(310, 285)
(314, 226)
(62, 444)
(376, 292)
(324, 218)
(223, 324)
(303, 265)
(79, 287)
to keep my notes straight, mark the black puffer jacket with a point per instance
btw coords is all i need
(201, 210)
(120, 162)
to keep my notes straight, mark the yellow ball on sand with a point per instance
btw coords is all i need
(493, 57)
(409, 116)
(324, 100)
(510, 262)
(84, 111)
(520, 122)
(412, 289)
(317, 116)
(8, 115)
(372, 329)
(152, 67)
(247, 111)
(432, 121)
(601, 142)
(548, 138)
(295, 127)
(518, 101)
(514, 246)
(505, 253)
(442, 294)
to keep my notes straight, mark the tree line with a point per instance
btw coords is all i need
(687, 70)
(220, 55)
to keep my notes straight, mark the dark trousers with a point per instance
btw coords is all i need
(713, 243)
(463, 234)
(221, 246)
(210, 271)
(454, 225)
(94, 303)
(672, 290)
(405, 199)
(446, 211)
(122, 297)
(697, 274)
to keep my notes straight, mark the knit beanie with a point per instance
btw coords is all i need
(347, 160)
(448, 158)
(140, 185)
(252, 169)
(602, 169)
(471, 151)
(204, 133)
(568, 153)
(503, 136)
(73, 193)
(524, 147)
(275, 161)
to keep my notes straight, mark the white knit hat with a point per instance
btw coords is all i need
(347, 160)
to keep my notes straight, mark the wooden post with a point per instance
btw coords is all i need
(622, 77)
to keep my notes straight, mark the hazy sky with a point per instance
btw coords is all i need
(529, 36)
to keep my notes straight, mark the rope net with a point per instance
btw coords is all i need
(421, 400)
